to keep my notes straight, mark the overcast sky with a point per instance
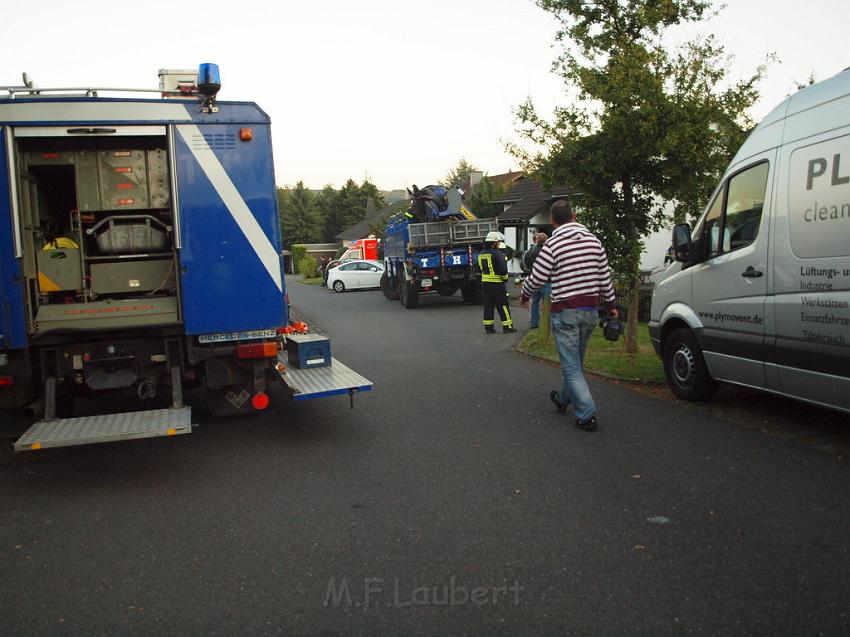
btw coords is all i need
(396, 91)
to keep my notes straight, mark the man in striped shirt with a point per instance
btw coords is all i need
(574, 261)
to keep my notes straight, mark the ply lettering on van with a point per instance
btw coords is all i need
(819, 198)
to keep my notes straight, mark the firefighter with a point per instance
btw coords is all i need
(494, 274)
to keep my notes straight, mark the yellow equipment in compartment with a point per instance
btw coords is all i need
(59, 268)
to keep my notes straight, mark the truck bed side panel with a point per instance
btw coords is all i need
(230, 231)
(13, 333)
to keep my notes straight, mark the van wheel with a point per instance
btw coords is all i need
(685, 367)
(339, 286)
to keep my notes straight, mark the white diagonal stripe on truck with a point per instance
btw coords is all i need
(233, 201)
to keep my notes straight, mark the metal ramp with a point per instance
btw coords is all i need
(66, 432)
(319, 382)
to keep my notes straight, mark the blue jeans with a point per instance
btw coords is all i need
(536, 300)
(572, 329)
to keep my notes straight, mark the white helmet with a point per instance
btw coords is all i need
(494, 236)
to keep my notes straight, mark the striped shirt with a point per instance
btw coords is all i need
(574, 261)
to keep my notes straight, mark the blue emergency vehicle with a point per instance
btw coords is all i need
(432, 247)
(140, 254)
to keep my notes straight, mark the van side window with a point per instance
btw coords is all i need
(711, 227)
(733, 220)
(744, 206)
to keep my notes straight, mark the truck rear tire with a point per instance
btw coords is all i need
(390, 291)
(472, 293)
(685, 369)
(409, 296)
(446, 289)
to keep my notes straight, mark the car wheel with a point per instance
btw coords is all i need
(684, 367)
(339, 286)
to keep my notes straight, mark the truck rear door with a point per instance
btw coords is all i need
(230, 257)
(12, 316)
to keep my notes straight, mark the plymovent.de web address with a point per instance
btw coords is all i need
(723, 317)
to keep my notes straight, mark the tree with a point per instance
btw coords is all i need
(327, 205)
(339, 209)
(482, 194)
(368, 190)
(299, 218)
(643, 126)
(459, 175)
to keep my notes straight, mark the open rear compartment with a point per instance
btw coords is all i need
(98, 221)
(101, 285)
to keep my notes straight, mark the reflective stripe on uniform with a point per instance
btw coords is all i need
(508, 322)
(488, 275)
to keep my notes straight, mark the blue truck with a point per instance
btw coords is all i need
(141, 255)
(432, 247)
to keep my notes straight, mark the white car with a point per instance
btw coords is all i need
(355, 274)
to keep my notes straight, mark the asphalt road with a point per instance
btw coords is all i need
(451, 500)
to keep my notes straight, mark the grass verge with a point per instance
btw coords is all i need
(314, 281)
(605, 357)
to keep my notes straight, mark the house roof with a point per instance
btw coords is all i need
(528, 198)
(505, 180)
(362, 228)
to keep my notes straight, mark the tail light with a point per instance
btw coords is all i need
(7, 381)
(257, 350)
(260, 401)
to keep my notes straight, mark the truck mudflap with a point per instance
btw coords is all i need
(317, 382)
(67, 432)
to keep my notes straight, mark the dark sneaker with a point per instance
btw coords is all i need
(559, 404)
(588, 424)
(508, 330)
(489, 330)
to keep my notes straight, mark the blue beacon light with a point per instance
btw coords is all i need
(209, 80)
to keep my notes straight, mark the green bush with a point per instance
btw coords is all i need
(299, 252)
(308, 266)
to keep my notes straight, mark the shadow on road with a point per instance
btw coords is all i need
(819, 428)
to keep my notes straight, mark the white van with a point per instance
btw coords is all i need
(759, 293)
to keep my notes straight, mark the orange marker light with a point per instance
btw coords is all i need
(246, 134)
(257, 350)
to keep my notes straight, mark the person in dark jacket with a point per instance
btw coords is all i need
(543, 293)
(494, 274)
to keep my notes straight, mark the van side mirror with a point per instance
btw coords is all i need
(683, 246)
